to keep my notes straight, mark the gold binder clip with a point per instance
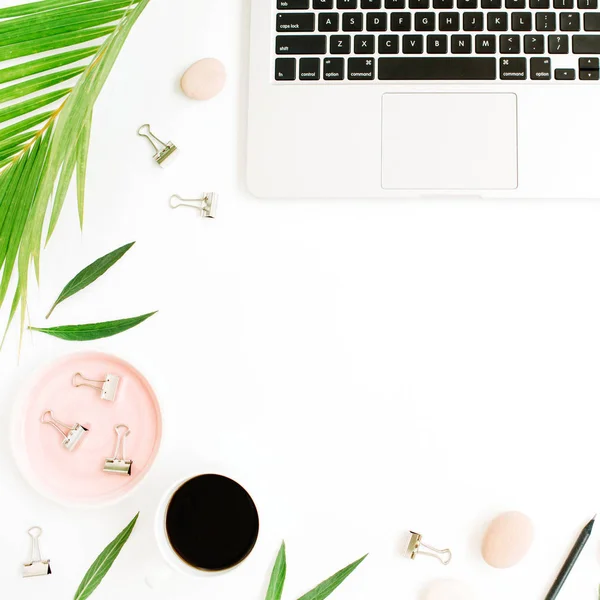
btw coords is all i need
(36, 567)
(108, 390)
(414, 548)
(207, 204)
(72, 434)
(164, 151)
(118, 463)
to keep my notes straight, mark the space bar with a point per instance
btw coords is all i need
(427, 67)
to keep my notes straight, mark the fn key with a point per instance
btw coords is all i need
(285, 69)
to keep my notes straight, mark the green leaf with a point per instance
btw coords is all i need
(103, 563)
(35, 7)
(24, 88)
(325, 589)
(53, 42)
(16, 110)
(278, 576)
(88, 275)
(45, 64)
(92, 331)
(83, 146)
(23, 125)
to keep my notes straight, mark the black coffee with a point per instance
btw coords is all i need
(212, 523)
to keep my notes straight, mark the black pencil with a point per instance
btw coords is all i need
(584, 536)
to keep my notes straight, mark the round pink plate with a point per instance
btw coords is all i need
(77, 478)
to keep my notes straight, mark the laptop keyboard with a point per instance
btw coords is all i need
(441, 40)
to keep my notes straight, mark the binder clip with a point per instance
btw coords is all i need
(207, 204)
(164, 151)
(119, 465)
(108, 391)
(73, 435)
(414, 548)
(36, 567)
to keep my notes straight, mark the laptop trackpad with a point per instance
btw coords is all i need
(449, 141)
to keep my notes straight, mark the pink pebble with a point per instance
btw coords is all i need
(507, 540)
(204, 79)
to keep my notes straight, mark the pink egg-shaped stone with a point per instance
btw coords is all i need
(204, 79)
(507, 540)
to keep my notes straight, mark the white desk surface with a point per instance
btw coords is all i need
(363, 368)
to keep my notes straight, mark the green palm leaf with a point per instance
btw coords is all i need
(46, 103)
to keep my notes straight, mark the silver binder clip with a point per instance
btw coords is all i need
(108, 390)
(207, 204)
(72, 434)
(36, 567)
(414, 548)
(119, 463)
(164, 151)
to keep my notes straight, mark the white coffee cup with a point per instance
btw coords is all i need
(173, 563)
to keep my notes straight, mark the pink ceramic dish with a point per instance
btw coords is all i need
(77, 478)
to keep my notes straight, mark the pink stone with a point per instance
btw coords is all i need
(507, 540)
(204, 79)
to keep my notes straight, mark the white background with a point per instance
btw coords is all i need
(364, 368)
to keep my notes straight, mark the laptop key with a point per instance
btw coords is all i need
(285, 69)
(485, 44)
(513, 69)
(401, 21)
(510, 44)
(292, 4)
(522, 21)
(558, 44)
(589, 63)
(539, 3)
(389, 44)
(497, 21)
(586, 44)
(424, 21)
(491, 3)
(467, 4)
(437, 44)
(461, 44)
(396, 4)
(333, 69)
(361, 68)
(449, 21)
(564, 74)
(329, 22)
(540, 69)
(437, 67)
(340, 44)
(364, 44)
(346, 4)
(534, 44)
(295, 22)
(564, 4)
(473, 21)
(322, 4)
(352, 22)
(570, 21)
(514, 4)
(587, 4)
(589, 75)
(373, 4)
(591, 21)
(301, 44)
(545, 21)
(310, 69)
(377, 21)
(412, 44)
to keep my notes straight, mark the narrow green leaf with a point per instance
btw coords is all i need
(326, 588)
(24, 88)
(66, 174)
(48, 63)
(92, 331)
(39, 34)
(53, 42)
(11, 151)
(103, 563)
(278, 576)
(16, 110)
(35, 7)
(88, 275)
(16, 140)
(23, 125)
(83, 146)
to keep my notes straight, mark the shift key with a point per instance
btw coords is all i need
(301, 44)
(586, 44)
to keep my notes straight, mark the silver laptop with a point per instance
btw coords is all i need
(410, 98)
